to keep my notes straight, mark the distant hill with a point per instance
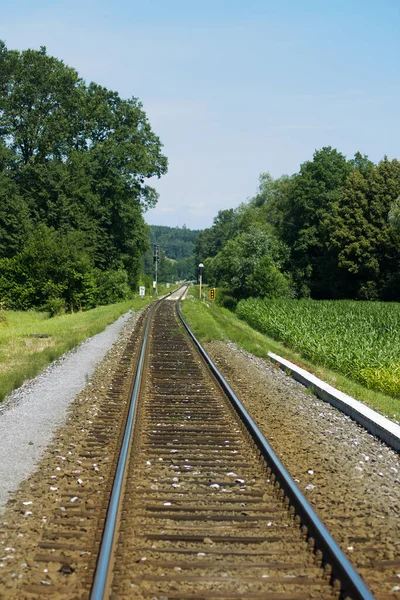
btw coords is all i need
(176, 252)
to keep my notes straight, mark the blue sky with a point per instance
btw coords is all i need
(232, 88)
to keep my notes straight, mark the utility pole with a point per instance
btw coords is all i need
(156, 258)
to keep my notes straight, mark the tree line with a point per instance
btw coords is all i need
(74, 160)
(176, 246)
(330, 231)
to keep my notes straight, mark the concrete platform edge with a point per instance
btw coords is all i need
(376, 424)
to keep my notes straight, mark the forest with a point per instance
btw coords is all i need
(330, 231)
(74, 164)
(176, 258)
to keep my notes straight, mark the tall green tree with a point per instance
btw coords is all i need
(338, 220)
(211, 240)
(394, 214)
(79, 160)
(252, 264)
(360, 231)
(14, 214)
(39, 99)
(310, 196)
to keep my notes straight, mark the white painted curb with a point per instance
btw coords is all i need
(375, 423)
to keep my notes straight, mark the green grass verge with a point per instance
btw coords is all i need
(210, 322)
(22, 355)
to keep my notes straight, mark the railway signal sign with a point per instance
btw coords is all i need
(212, 293)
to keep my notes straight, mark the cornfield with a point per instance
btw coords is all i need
(361, 340)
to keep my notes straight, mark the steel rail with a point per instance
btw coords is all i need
(99, 586)
(351, 583)
(105, 555)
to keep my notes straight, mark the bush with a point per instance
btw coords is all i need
(112, 286)
(54, 306)
(51, 266)
(251, 265)
(225, 299)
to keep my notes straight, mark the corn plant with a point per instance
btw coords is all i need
(359, 339)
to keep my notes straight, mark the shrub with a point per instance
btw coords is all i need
(54, 306)
(51, 266)
(225, 299)
(112, 286)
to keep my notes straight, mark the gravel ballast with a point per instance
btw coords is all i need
(30, 416)
(350, 478)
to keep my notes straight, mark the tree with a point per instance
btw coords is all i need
(394, 214)
(211, 240)
(338, 224)
(51, 266)
(167, 269)
(14, 214)
(39, 99)
(75, 159)
(361, 233)
(384, 192)
(310, 196)
(250, 265)
(176, 244)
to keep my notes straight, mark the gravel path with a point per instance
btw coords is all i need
(30, 416)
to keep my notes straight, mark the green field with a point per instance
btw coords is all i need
(23, 354)
(361, 340)
(211, 322)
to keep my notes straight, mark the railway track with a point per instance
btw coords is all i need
(203, 515)
(195, 510)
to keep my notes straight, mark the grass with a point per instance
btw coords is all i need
(210, 322)
(23, 355)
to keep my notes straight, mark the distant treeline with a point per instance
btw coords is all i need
(74, 159)
(176, 253)
(330, 231)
